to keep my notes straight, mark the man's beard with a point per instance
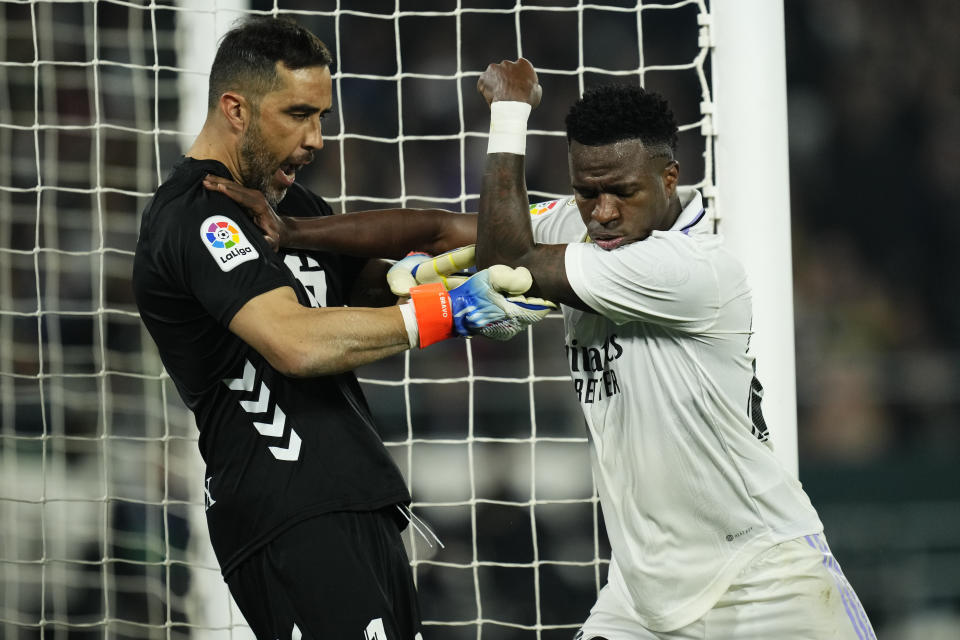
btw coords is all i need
(257, 167)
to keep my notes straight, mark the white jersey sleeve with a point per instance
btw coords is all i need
(667, 279)
(671, 278)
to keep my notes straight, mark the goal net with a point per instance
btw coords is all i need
(102, 533)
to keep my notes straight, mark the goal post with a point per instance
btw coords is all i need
(209, 605)
(753, 196)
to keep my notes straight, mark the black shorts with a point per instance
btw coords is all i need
(338, 575)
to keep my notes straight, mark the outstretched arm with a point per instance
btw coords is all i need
(504, 233)
(304, 341)
(301, 341)
(387, 233)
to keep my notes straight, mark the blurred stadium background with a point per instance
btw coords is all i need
(100, 505)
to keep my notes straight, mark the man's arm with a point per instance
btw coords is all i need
(301, 341)
(304, 341)
(504, 232)
(387, 233)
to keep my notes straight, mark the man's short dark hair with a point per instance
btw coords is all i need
(248, 54)
(614, 112)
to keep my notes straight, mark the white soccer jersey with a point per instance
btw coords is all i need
(689, 487)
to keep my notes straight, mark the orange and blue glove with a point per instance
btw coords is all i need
(487, 303)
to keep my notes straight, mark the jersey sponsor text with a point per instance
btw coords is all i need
(594, 360)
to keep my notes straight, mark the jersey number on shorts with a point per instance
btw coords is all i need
(311, 275)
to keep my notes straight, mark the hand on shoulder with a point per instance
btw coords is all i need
(275, 229)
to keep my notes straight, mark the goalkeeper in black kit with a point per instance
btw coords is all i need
(304, 504)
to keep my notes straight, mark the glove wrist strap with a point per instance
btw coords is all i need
(410, 324)
(434, 311)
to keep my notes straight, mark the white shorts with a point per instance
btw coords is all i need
(793, 590)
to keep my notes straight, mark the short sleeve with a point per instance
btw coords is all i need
(225, 261)
(667, 279)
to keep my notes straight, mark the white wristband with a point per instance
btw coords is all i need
(410, 322)
(508, 127)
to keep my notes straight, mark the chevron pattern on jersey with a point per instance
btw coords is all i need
(277, 424)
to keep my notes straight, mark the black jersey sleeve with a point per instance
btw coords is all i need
(225, 261)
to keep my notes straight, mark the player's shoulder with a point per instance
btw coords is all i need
(697, 255)
(185, 218)
(182, 202)
(182, 193)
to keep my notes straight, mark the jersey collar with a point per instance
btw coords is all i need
(693, 212)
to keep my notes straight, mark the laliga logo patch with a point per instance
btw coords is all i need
(222, 235)
(226, 242)
(542, 207)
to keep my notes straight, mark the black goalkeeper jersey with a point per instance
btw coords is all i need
(278, 450)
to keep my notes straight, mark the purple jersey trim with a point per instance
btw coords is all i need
(686, 229)
(855, 613)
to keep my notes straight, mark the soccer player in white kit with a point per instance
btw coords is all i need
(711, 537)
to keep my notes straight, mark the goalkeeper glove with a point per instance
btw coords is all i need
(478, 306)
(421, 268)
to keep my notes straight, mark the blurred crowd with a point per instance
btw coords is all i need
(874, 89)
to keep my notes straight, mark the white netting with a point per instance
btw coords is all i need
(101, 505)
